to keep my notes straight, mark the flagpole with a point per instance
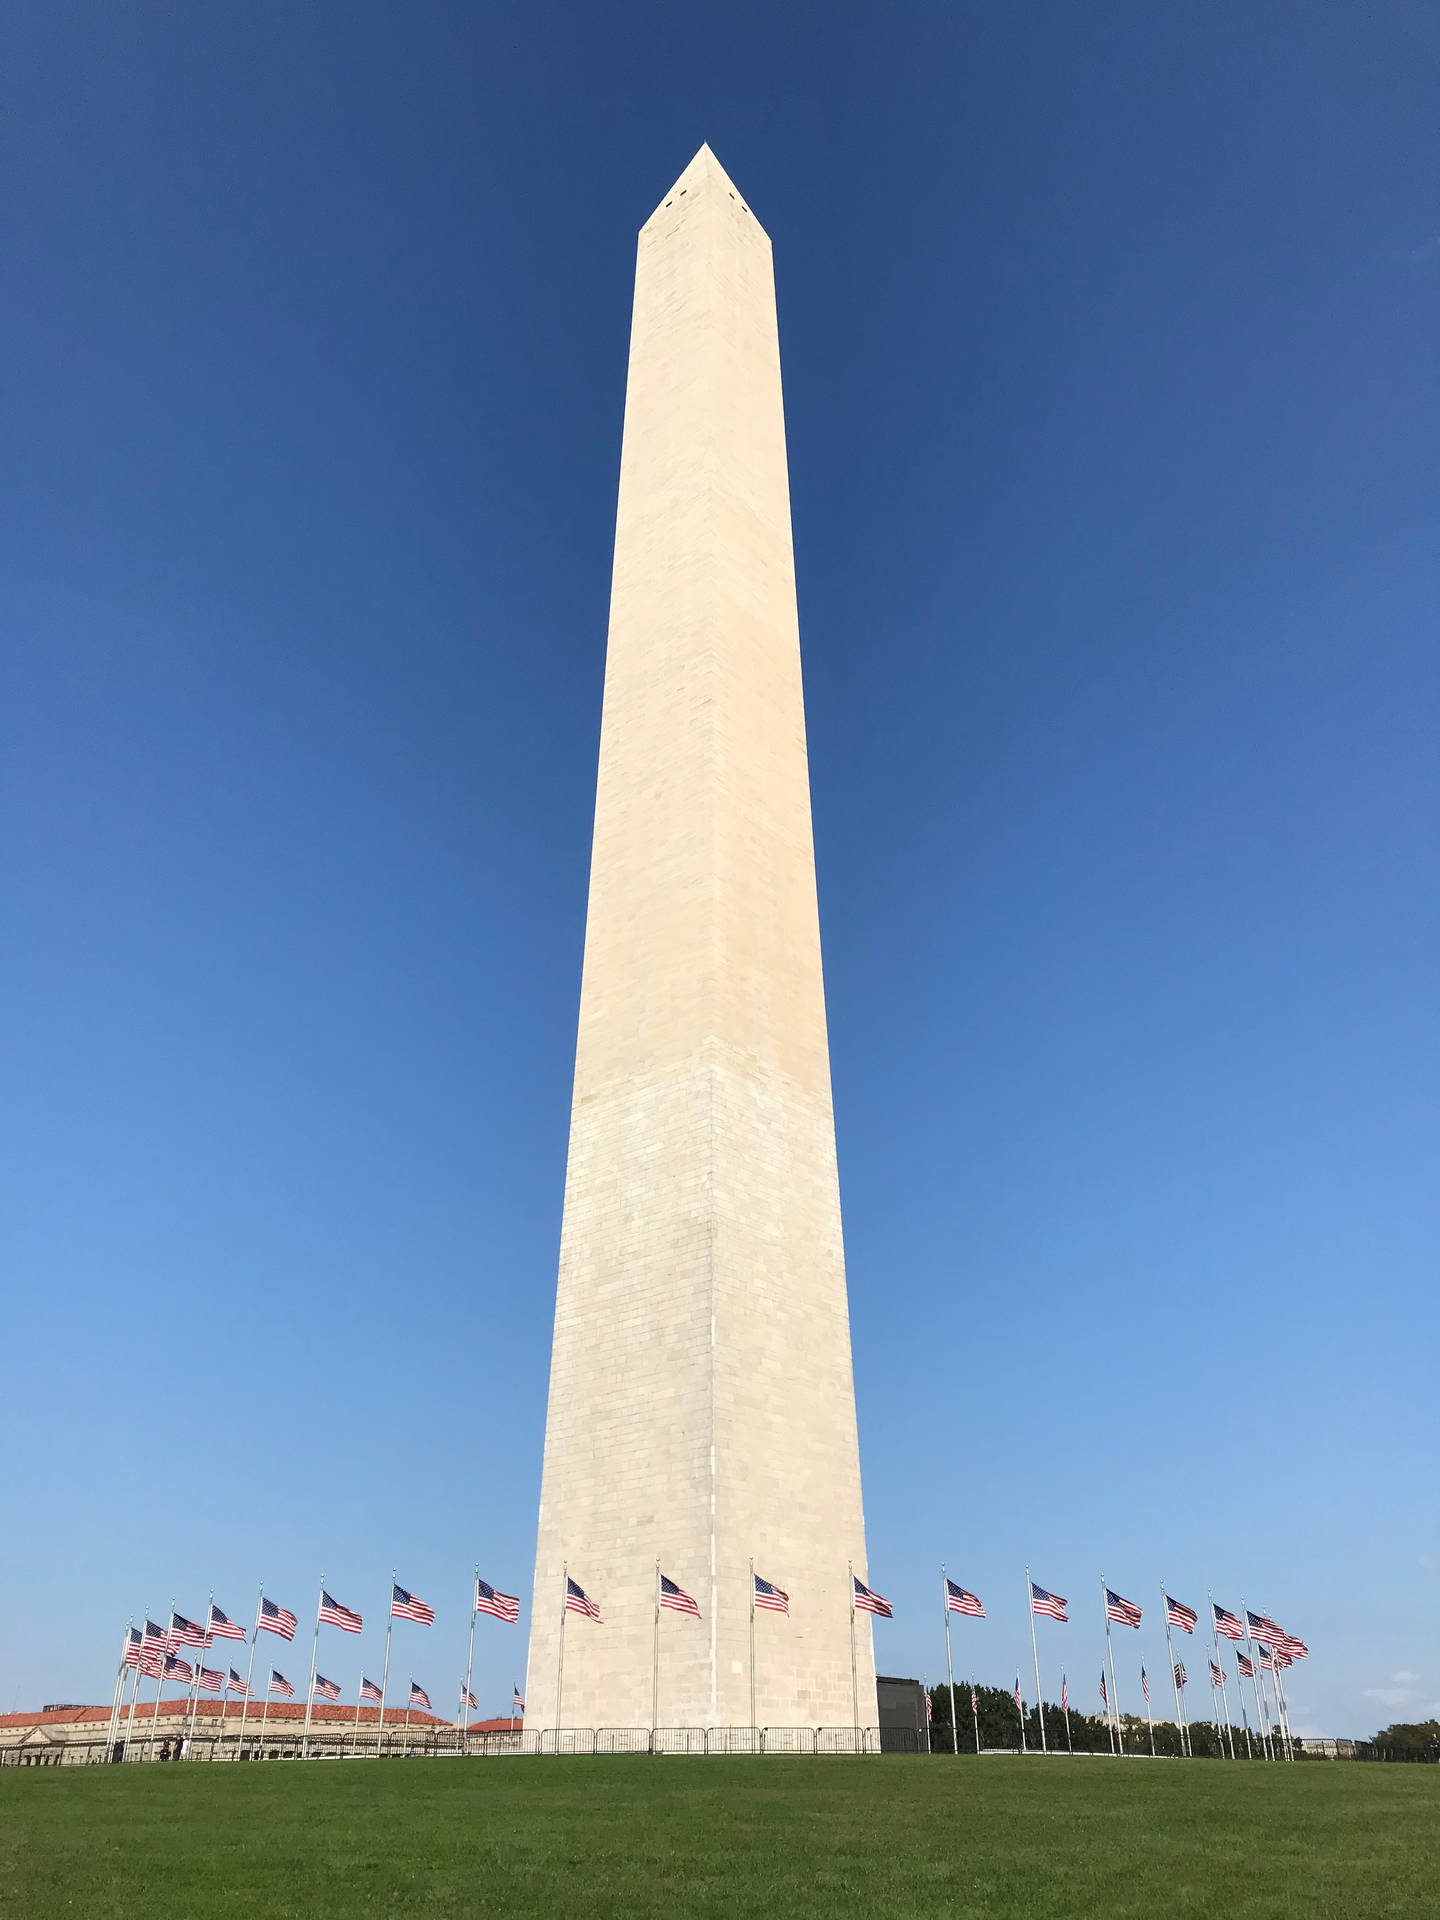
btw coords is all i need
(1262, 1716)
(119, 1688)
(949, 1663)
(1282, 1704)
(752, 1656)
(1035, 1650)
(854, 1677)
(314, 1656)
(135, 1690)
(1174, 1677)
(1244, 1716)
(975, 1713)
(385, 1676)
(469, 1663)
(1215, 1636)
(1065, 1702)
(160, 1680)
(1110, 1650)
(359, 1697)
(1109, 1716)
(1149, 1713)
(1020, 1709)
(655, 1667)
(265, 1717)
(200, 1666)
(560, 1670)
(250, 1671)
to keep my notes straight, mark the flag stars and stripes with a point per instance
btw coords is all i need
(418, 1696)
(1217, 1675)
(326, 1689)
(211, 1680)
(236, 1684)
(1227, 1624)
(369, 1690)
(1177, 1614)
(185, 1633)
(501, 1606)
(275, 1619)
(1180, 1674)
(959, 1599)
(676, 1599)
(1050, 1605)
(868, 1601)
(1245, 1664)
(333, 1614)
(220, 1626)
(280, 1686)
(769, 1598)
(1123, 1612)
(406, 1606)
(578, 1601)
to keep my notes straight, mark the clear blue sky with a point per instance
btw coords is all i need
(1110, 357)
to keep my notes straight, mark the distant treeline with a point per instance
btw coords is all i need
(1418, 1740)
(1089, 1733)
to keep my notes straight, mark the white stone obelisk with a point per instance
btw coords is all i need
(702, 1404)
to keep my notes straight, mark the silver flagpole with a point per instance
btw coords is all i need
(752, 1656)
(1149, 1716)
(854, 1677)
(265, 1713)
(560, 1669)
(355, 1733)
(160, 1681)
(470, 1662)
(1262, 1715)
(1114, 1689)
(135, 1690)
(1174, 1677)
(385, 1676)
(1282, 1704)
(1109, 1711)
(314, 1656)
(119, 1689)
(1020, 1709)
(250, 1671)
(1065, 1696)
(1035, 1650)
(1215, 1636)
(949, 1663)
(975, 1711)
(200, 1667)
(655, 1668)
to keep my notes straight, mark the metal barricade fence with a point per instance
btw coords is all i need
(680, 1740)
(722, 1740)
(787, 1740)
(622, 1740)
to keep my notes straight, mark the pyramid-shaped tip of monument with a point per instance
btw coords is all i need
(704, 169)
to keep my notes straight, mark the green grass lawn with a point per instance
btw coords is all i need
(634, 1837)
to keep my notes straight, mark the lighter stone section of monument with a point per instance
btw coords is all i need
(702, 1406)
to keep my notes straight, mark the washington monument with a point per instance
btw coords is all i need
(702, 1404)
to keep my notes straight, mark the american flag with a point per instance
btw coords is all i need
(236, 1683)
(961, 1600)
(369, 1690)
(1124, 1613)
(1145, 1685)
(1064, 1694)
(211, 1680)
(1050, 1604)
(867, 1601)
(470, 1699)
(1180, 1674)
(280, 1686)
(1226, 1623)
(418, 1696)
(178, 1670)
(1245, 1664)
(677, 1599)
(185, 1633)
(220, 1626)
(275, 1619)
(1267, 1659)
(326, 1689)
(503, 1606)
(1104, 1697)
(578, 1601)
(153, 1647)
(134, 1640)
(1273, 1630)
(519, 1704)
(404, 1606)
(770, 1599)
(1256, 1625)
(332, 1614)
(974, 1704)
(1217, 1675)
(1296, 1649)
(1019, 1703)
(1177, 1614)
